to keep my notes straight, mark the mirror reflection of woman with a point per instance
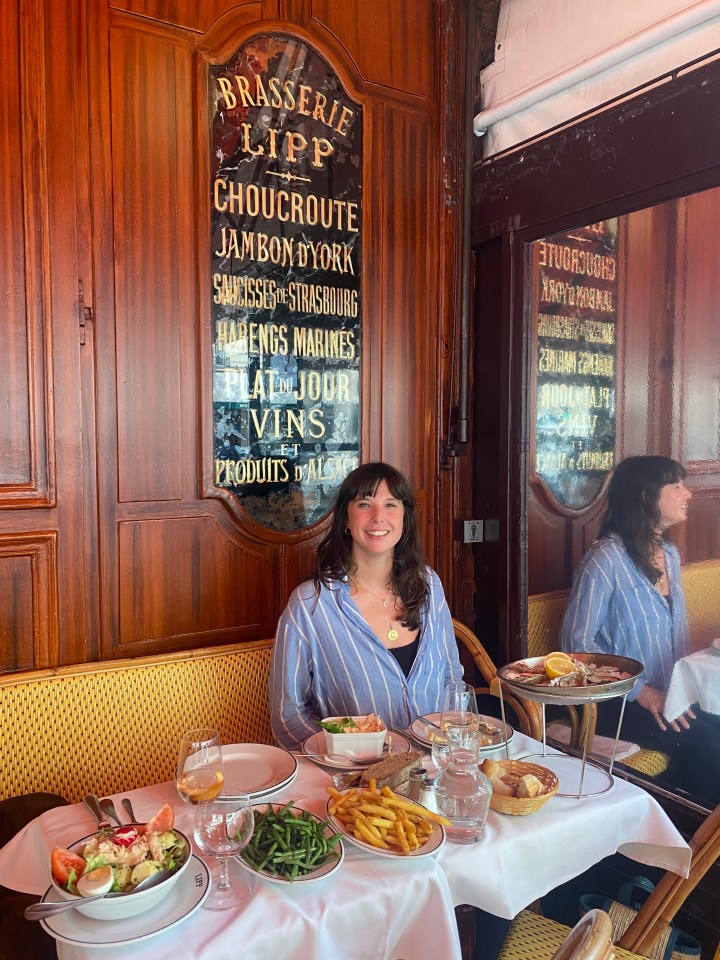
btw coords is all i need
(627, 599)
(372, 632)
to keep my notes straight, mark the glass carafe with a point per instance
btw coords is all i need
(462, 791)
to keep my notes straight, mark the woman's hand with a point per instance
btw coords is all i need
(654, 702)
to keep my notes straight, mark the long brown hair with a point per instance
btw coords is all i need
(334, 557)
(632, 506)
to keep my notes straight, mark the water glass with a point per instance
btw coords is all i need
(223, 827)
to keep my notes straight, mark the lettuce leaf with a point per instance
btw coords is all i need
(337, 726)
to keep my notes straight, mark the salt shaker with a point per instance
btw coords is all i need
(418, 778)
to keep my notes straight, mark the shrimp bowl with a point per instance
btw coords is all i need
(356, 738)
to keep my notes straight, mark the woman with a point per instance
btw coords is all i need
(627, 599)
(372, 632)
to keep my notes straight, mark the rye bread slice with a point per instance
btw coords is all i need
(392, 771)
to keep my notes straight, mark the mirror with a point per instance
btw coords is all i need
(626, 360)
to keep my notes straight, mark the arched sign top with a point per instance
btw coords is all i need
(285, 235)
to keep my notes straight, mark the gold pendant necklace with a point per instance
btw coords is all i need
(392, 633)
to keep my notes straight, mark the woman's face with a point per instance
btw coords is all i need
(673, 503)
(376, 522)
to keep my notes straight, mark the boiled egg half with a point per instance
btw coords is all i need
(95, 883)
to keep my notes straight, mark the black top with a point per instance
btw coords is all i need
(405, 656)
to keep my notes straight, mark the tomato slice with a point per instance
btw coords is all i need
(162, 821)
(62, 862)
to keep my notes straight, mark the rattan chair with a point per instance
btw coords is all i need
(535, 938)
(528, 712)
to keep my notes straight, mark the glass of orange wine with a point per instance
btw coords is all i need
(199, 775)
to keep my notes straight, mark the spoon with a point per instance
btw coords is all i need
(37, 911)
(129, 809)
(108, 807)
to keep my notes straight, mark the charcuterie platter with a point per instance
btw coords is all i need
(598, 676)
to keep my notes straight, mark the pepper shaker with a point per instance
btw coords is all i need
(418, 778)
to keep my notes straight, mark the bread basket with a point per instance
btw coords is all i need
(522, 806)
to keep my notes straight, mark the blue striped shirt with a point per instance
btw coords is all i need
(613, 608)
(327, 662)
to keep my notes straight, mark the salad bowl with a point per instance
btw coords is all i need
(118, 906)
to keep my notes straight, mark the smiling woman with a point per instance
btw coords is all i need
(372, 633)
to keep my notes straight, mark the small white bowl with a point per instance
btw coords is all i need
(354, 746)
(119, 907)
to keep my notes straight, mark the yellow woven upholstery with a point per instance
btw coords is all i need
(701, 584)
(650, 762)
(113, 726)
(533, 937)
(545, 617)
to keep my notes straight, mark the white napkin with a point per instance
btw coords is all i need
(695, 679)
(601, 747)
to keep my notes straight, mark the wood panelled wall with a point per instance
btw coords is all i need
(108, 546)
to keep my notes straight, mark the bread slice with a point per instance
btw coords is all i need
(529, 786)
(491, 768)
(392, 771)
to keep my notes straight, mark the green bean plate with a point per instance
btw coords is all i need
(291, 845)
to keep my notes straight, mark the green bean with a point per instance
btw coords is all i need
(289, 843)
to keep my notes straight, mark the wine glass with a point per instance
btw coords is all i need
(223, 827)
(199, 775)
(459, 710)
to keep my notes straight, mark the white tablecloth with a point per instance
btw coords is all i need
(695, 679)
(373, 908)
(369, 909)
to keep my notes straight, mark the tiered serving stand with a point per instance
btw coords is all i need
(565, 766)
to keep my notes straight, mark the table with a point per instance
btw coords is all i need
(373, 908)
(695, 679)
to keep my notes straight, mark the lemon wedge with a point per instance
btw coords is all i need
(558, 665)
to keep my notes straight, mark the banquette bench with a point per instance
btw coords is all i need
(115, 725)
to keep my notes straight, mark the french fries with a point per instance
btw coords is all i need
(383, 819)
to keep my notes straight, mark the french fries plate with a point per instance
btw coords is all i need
(431, 846)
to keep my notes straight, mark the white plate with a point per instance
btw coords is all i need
(421, 731)
(257, 769)
(323, 871)
(315, 744)
(434, 841)
(183, 900)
